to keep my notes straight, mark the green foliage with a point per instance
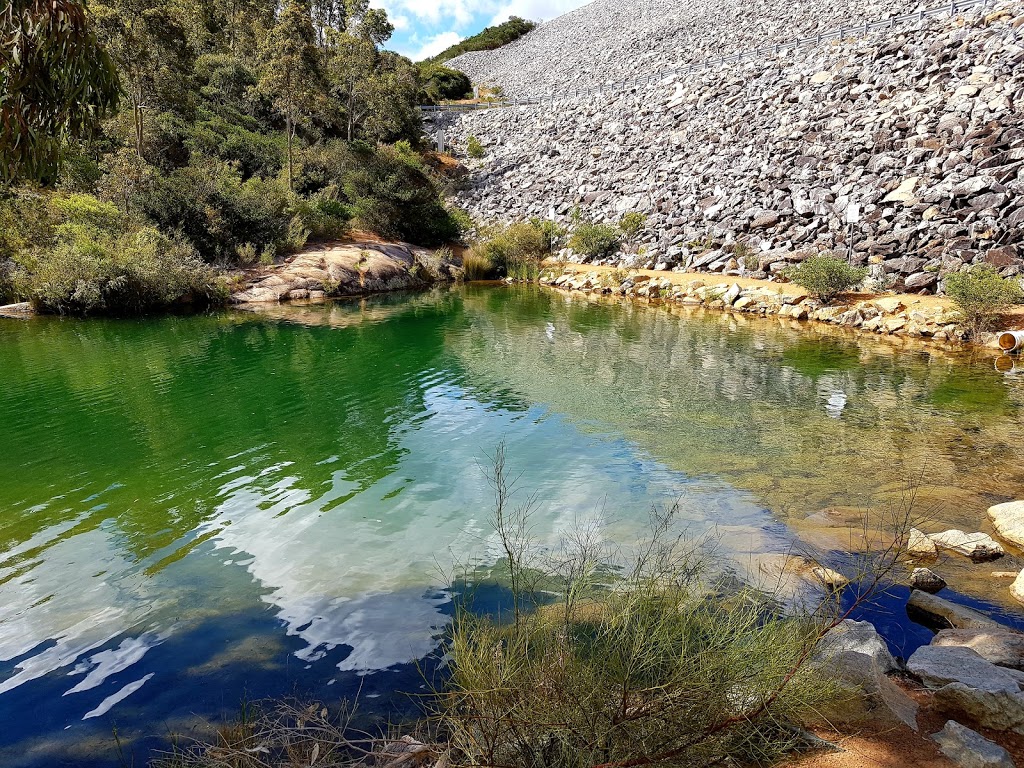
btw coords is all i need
(981, 295)
(55, 82)
(488, 40)
(632, 224)
(825, 276)
(216, 211)
(91, 258)
(439, 83)
(474, 148)
(517, 250)
(324, 216)
(595, 241)
(477, 265)
(391, 194)
(238, 136)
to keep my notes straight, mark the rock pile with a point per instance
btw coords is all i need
(747, 170)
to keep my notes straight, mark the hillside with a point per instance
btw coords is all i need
(487, 40)
(920, 125)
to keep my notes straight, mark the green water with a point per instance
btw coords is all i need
(193, 509)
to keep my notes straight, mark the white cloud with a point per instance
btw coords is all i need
(535, 10)
(434, 46)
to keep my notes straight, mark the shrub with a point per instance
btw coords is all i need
(631, 225)
(595, 241)
(324, 216)
(92, 272)
(391, 194)
(825, 276)
(477, 265)
(9, 290)
(518, 249)
(981, 295)
(474, 148)
(439, 83)
(647, 663)
(216, 211)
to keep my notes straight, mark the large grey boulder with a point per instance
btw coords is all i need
(969, 749)
(1003, 647)
(857, 655)
(965, 684)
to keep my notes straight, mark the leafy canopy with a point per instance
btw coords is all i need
(56, 83)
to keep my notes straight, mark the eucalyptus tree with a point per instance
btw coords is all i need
(56, 82)
(292, 69)
(154, 59)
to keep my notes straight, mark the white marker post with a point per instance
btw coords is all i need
(852, 219)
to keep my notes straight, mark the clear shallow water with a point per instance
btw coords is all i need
(195, 510)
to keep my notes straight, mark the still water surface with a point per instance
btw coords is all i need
(195, 510)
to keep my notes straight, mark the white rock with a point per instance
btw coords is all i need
(919, 545)
(1008, 520)
(969, 749)
(1017, 588)
(979, 547)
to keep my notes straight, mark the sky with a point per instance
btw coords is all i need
(424, 28)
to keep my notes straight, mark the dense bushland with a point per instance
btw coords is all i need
(244, 130)
(488, 40)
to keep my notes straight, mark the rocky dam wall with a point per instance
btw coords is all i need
(745, 168)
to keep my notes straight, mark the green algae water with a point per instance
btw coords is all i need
(200, 510)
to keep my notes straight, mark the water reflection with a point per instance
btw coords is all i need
(203, 508)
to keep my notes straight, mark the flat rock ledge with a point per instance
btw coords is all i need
(24, 309)
(883, 315)
(343, 269)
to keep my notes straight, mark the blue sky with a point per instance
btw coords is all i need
(426, 27)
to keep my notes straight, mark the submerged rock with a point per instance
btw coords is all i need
(969, 749)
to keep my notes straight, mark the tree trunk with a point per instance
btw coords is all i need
(288, 128)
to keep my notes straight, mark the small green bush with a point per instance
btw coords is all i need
(981, 295)
(89, 272)
(9, 291)
(518, 249)
(474, 148)
(477, 265)
(825, 276)
(324, 216)
(595, 241)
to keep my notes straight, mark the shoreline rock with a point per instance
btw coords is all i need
(925, 323)
(347, 269)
